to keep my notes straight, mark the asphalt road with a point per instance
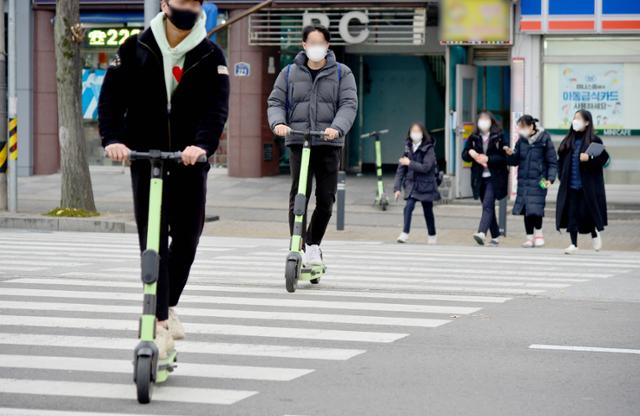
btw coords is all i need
(391, 330)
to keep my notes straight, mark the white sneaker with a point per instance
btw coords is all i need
(479, 237)
(164, 342)
(313, 255)
(528, 243)
(403, 238)
(571, 249)
(175, 326)
(494, 242)
(538, 239)
(597, 242)
(432, 240)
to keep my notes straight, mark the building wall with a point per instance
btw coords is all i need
(248, 129)
(46, 149)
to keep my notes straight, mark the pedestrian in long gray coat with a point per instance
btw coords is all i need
(537, 163)
(315, 92)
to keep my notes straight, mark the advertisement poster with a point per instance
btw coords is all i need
(594, 87)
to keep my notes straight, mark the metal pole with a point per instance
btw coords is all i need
(4, 150)
(342, 179)
(13, 106)
(502, 216)
(151, 9)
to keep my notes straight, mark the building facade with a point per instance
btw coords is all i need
(436, 62)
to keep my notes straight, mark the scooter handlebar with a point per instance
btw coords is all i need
(374, 133)
(158, 155)
(308, 132)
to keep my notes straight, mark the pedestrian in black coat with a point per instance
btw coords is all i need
(484, 149)
(581, 206)
(416, 174)
(537, 163)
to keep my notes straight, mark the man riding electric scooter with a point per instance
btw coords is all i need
(314, 93)
(167, 90)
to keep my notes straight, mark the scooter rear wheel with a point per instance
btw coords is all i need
(144, 386)
(291, 276)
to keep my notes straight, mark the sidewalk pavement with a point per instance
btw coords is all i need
(258, 207)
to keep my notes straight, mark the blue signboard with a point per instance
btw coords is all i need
(91, 84)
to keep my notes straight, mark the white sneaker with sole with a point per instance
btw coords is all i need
(597, 242)
(432, 240)
(528, 243)
(313, 255)
(479, 238)
(164, 342)
(175, 326)
(571, 249)
(403, 238)
(538, 239)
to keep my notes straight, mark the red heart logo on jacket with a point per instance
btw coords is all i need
(177, 73)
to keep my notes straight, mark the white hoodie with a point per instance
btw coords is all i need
(173, 58)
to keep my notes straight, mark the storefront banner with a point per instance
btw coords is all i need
(91, 84)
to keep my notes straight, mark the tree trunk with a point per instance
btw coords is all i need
(76, 189)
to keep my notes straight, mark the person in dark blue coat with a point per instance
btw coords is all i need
(581, 206)
(484, 149)
(416, 174)
(537, 163)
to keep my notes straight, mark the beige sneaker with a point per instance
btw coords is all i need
(175, 326)
(164, 342)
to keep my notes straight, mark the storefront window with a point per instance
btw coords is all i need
(98, 49)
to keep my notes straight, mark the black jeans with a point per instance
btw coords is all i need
(575, 200)
(427, 207)
(182, 219)
(323, 167)
(488, 219)
(532, 222)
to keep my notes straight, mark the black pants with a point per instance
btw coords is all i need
(323, 167)
(488, 219)
(182, 219)
(574, 214)
(427, 207)
(532, 222)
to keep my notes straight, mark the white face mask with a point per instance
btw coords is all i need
(484, 125)
(578, 125)
(316, 53)
(416, 137)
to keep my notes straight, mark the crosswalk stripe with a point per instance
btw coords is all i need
(259, 289)
(122, 391)
(47, 362)
(8, 268)
(208, 329)
(12, 411)
(329, 283)
(215, 348)
(365, 276)
(232, 314)
(283, 303)
(48, 263)
(236, 262)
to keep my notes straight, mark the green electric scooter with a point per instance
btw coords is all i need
(147, 367)
(381, 200)
(295, 270)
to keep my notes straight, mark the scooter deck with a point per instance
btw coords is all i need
(166, 366)
(310, 272)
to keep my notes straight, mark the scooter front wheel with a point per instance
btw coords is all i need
(291, 276)
(144, 385)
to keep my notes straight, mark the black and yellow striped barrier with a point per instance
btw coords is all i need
(13, 139)
(3, 157)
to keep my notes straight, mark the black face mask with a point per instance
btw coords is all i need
(183, 19)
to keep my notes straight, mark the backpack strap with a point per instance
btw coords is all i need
(286, 80)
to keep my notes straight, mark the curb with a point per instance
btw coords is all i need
(42, 223)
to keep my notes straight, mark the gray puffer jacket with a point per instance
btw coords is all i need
(327, 102)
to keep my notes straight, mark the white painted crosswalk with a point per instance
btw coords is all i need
(69, 305)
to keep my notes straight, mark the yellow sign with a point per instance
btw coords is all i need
(475, 21)
(108, 37)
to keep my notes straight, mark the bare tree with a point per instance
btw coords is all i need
(76, 181)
